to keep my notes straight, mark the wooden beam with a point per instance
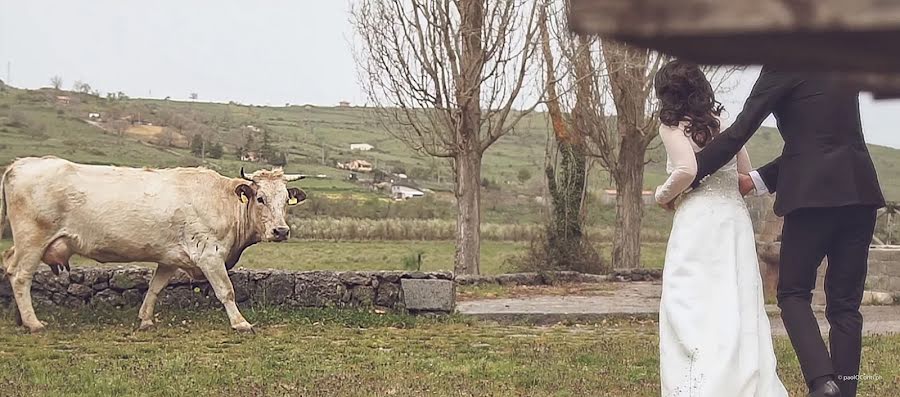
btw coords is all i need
(850, 35)
(882, 86)
(858, 38)
(716, 17)
(849, 51)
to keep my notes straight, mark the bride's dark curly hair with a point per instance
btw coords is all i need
(685, 94)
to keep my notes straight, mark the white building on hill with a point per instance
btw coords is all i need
(400, 192)
(362, 147)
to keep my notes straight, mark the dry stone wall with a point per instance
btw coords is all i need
(126, 286)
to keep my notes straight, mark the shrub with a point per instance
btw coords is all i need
(524, 175)
(216, 151)
(17, 119)
(96, 152)
(413, 262)
(76, 143)
(545, 253)
(279, 159)
(189, 162)
(401, 229)
(197, 145)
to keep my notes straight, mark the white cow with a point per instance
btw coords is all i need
(188, 218)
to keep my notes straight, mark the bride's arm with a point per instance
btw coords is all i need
(684, 163)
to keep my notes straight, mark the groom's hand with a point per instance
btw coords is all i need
(745, 184)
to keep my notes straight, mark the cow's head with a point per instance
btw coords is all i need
(267, 197)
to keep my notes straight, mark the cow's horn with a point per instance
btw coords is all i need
(293, 177)
(243, 175)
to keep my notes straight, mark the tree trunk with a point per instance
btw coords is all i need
(566, 184)
(468, 222)
(629, 179)
(468, 150)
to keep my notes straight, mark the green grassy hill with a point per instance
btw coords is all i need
(33, 122)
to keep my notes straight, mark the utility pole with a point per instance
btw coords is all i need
(8, 80)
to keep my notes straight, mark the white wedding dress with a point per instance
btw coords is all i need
(715, 339)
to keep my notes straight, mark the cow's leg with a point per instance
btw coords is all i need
(7, 257)
(20, 272)
(160, 279)
(214, 270)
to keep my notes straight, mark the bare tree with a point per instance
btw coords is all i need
(444, 76)
(56, 82)
(613, 110)
(82, 87)
(120, 127)
(194, 96)
(564, 246)
(168, 137)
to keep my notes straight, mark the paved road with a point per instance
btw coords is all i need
(634, 299)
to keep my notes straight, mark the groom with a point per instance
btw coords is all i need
(828, 194)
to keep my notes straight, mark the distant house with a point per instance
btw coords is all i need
(362, 147)
(609, 197)
(94, 116)
(63, 99)
(357, 166)
(344, 104)
(253, 128)
(404, 192)
(252, 157)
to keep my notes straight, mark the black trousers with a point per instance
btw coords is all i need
(843, 235)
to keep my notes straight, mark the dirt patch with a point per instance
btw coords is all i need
(155, 134)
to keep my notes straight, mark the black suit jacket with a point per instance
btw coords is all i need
(825, 161)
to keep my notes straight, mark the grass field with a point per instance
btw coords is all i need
(383, 255)
(348, 354)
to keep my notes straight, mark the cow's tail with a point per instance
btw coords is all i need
(3, 201)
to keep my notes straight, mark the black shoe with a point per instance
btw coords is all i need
(829, 389)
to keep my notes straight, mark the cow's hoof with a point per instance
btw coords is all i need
(35, 328)
(243, 327)
(145, 326)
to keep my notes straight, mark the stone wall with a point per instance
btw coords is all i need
(883, 275)
(884, 270)
(126, 286)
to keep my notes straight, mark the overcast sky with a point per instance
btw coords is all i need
(263, 52)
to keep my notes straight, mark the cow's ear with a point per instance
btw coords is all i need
(244, 192)
(295, 196)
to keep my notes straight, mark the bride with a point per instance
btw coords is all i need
(714, 334)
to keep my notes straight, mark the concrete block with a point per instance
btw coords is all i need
(890, 268)
(877, 268)
(878, 283)
(893, 284)
(429, 295)
(877, 298)
(885, 254)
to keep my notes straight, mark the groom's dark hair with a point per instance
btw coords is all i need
(685, 94)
